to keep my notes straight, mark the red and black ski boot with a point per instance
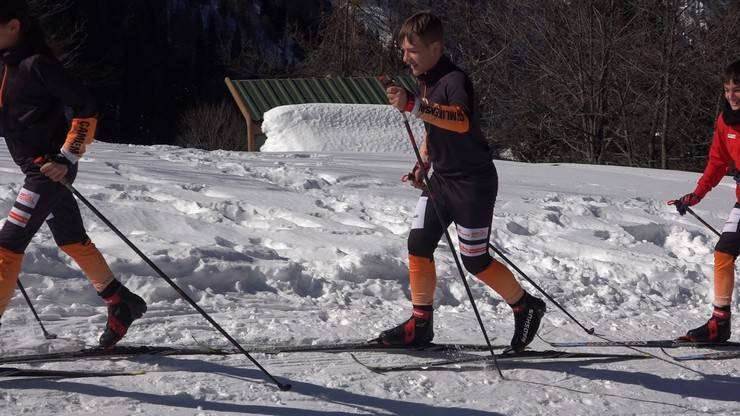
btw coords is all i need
(717, 328)
(124, 307)
(528, 313)
(417, 331)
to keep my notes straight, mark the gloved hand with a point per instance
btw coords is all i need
(416, 176)
(689, 200)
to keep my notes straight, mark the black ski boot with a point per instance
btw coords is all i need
(417, 331)
(717, 328)
(528, 313)
(123, 308)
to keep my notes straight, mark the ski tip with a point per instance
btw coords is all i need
(374, 370)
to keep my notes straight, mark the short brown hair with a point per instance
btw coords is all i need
(424, 25)
(732, 73)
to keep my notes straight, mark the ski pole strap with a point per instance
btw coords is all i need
(56, 158)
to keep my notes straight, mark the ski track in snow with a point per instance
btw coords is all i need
(311, 247)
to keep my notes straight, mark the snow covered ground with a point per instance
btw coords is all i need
(307, 247)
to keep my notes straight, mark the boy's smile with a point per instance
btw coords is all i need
(419, 56)
(732, 95)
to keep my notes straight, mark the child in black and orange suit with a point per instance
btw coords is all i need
(35, 90)
(464, 181)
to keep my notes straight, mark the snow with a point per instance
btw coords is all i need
(307, 244)
(337, 128)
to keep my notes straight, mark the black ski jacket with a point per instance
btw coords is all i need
(449, 109)
(35, 93)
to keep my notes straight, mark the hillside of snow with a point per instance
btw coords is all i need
(305, 246)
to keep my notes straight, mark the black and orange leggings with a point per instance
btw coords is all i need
(41, 200)
(468, 201)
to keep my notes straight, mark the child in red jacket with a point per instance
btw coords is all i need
(724, 158)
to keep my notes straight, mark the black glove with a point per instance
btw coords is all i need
(689, 200)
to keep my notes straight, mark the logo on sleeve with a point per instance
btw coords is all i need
(731, 136)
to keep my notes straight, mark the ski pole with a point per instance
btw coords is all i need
(47, 335)
(282, 386)
(691, 211)
(389, 81)
(589, 331)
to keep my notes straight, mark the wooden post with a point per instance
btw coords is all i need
(251, 133)
(252, 127)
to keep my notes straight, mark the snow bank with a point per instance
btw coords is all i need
(337, 128)
(311, 247)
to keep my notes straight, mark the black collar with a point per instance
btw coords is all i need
(443, 67)
(730, 116)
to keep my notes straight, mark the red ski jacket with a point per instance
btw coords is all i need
(724, 156)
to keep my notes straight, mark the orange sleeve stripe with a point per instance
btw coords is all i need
(81, 133)
(448, 117)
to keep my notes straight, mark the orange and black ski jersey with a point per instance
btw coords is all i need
(724, 154)
(34, 93)
(448, 107)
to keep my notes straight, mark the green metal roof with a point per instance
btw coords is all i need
(261, 95)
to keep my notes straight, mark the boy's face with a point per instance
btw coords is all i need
(419, 56)
(732, 94)
(9, 33)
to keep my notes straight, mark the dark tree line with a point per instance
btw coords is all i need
(151, 62)
(633, 82)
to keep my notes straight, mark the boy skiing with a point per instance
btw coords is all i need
(34, 92)
(724, 158)
(464, 183)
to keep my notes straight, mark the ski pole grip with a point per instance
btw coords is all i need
(387, 81)
(39, 161)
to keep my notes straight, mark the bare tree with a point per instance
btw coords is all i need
(65, 28)
(629, 82)
(211, 127)
(354, 40)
